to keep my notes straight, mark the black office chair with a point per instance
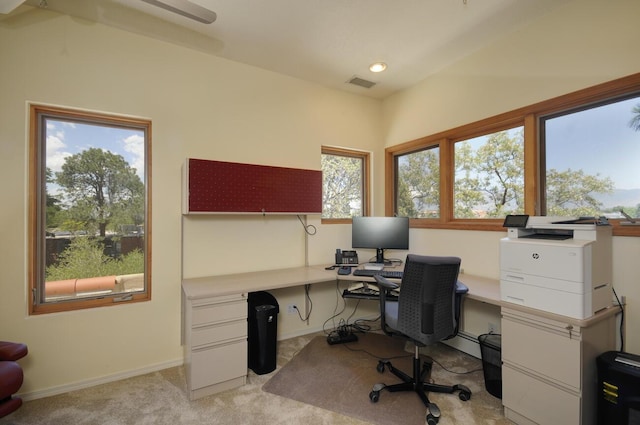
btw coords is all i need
(426, 312)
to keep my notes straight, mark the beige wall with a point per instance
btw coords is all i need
(201, 106)
(581, 44)
(206, 107)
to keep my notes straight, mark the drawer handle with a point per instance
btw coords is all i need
(515, 300)
(510, 276)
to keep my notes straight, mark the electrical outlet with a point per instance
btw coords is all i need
(492, 328)
(291, 309)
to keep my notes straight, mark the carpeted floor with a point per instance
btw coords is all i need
(159, 398)
(340, 378)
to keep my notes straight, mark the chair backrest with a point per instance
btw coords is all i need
(427, 302)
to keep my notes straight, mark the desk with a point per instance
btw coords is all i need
(215, 340)
(214, 317)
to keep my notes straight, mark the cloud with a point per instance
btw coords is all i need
(56, 154)
(134, 145)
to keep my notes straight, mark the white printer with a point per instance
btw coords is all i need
(557, 264)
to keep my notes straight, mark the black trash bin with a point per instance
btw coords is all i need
(263, 332)
(491, 351)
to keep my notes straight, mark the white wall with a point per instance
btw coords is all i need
(584, 43)
(202, 107)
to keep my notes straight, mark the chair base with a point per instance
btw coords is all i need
(417, 384)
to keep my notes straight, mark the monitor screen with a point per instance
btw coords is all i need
(380, 233)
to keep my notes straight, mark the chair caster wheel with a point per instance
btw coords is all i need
(374, 396)
(433, 417)
(465, 392)
(380, 367)
(431, 420)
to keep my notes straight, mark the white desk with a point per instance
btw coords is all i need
(215, 340)
(214, 309)
(214, 332)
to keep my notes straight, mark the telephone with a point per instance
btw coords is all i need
(346, 257)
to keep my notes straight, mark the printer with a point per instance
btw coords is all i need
(561, 265)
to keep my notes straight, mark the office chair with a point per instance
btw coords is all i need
(11, 376)
(426, 312)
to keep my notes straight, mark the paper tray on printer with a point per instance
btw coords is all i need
(552, 236)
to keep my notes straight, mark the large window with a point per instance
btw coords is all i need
(574, 155)
(345, 183)
(90, 227)
(591, 158)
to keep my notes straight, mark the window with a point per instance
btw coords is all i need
(590, 160)
(90, 229)
(489, 175)
(345, 183)
(574, 155)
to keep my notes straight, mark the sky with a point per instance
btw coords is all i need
(598, 140)
(65, 139)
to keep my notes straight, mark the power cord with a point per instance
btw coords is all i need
(621, 318)
(307, 288)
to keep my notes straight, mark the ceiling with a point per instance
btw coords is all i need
(327, 42)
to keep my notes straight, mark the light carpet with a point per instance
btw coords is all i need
(160, 398)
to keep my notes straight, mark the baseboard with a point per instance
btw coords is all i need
(62, 389)
(466, 343)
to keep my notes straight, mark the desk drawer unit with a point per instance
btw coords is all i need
(548, 367)
(215, 344)
(553, 353)
(218, 364)
(528, 400)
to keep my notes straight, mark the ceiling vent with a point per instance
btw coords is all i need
(357, 81)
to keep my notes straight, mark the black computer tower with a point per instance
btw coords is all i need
(263, 332)
(618, 388)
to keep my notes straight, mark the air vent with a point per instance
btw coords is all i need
(357, 81)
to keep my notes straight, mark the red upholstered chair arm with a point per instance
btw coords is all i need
(11, 378)
(12, 351)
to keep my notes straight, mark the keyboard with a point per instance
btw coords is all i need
(389, 274)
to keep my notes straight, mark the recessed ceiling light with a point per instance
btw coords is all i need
(378, 67)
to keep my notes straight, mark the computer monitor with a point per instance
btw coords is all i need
(380, 233)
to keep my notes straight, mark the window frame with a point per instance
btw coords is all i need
(38, 113)
(528, 117)
(366, 178)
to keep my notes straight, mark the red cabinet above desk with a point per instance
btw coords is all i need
(230, 187)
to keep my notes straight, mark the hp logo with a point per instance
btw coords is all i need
(535, 255)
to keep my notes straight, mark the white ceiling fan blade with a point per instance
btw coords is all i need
(186, 9)
(6, 6)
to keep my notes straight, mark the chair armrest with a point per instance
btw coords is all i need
(12, 351)
(385, 283)
(461, 288)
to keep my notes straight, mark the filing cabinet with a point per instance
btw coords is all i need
(215, 343)
(549, 374)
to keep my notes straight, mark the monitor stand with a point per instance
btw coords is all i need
(380, 255)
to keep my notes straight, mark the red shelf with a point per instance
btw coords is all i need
(230, 187)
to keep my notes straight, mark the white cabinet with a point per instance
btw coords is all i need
(215, 341)
(549, 372)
